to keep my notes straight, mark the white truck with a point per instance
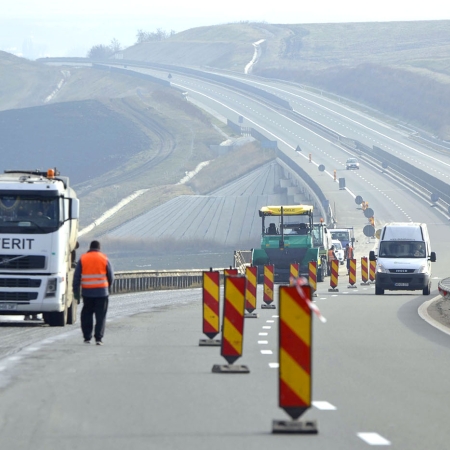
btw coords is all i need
(403, 258)
(345, 235)
(38, 237)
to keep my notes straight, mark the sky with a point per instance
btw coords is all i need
(35, 29)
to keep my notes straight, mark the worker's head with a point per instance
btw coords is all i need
(95, 245)
(332, 247)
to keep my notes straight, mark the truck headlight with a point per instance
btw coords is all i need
(51, 287)
(381, 269)
(422, 269)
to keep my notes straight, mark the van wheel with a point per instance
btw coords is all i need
(378, 291)
(427, 289)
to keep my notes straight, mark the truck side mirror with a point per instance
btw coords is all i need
(433, 257)
(372, 256)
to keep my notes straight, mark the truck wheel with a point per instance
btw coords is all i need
(378, 291)
(72, 313)
(427, 289)
(57, 319)
(320, 275)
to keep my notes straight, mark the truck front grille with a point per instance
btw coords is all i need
(20, 282)
(17, 296)
(17, 262)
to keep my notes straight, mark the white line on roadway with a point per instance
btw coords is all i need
(266, 352)
(373, 439)
(324, 406)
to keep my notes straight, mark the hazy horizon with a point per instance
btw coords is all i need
(51, 28)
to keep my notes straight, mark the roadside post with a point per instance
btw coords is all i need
(232, 326)
(334, 275)
(211, 299)
(251, 276)
(352, 274)
(294, 270)
(295, 357)
(231, 272)
(312, 277)
(364, 271)
(372, 268)
(269, 271)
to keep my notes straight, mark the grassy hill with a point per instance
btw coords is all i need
(400, 68)
(112, 134)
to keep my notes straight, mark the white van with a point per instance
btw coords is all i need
(403, 258)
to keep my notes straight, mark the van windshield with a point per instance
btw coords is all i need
(402, 249)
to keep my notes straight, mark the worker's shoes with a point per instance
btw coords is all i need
(87, 341)
(99, 343)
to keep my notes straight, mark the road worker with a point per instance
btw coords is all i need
(94, 274)
(348, 256)
(331, 257)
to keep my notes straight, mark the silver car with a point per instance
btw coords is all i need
(352, 163)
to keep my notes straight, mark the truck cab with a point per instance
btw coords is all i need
(287, 237)
(38, 237)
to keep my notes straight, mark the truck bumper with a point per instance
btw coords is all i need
(402, 282)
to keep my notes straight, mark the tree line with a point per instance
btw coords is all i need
(102, 51)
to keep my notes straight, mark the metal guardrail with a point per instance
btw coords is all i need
(154, 280)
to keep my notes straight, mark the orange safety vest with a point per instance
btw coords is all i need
(331, 255)
(350, 253)
(94, 270)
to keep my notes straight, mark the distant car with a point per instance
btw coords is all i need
(352, 163)
(338, 251)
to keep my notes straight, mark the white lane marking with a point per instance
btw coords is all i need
(267, 328)
(263, 342)
(266, 352)
(373, 439)
(274, 365)
(270, 321)
(324, 406)
(275, 317)
(263, 334)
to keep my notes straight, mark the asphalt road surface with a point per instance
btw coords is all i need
(378, 368)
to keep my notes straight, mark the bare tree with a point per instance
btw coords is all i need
(100, 52)
(115, 45)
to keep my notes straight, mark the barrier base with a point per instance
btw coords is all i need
(209, 342)
(230, 368)
(352, 286)
(333, 290)
(266, 306)
(295, 426)
(250, 316)
(365, 283)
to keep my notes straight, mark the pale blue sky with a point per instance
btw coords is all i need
(71, 28)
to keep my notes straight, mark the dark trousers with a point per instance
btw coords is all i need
(91, 306)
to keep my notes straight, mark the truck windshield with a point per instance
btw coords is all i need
(342, 236)
(28, 214)
(402, 249)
